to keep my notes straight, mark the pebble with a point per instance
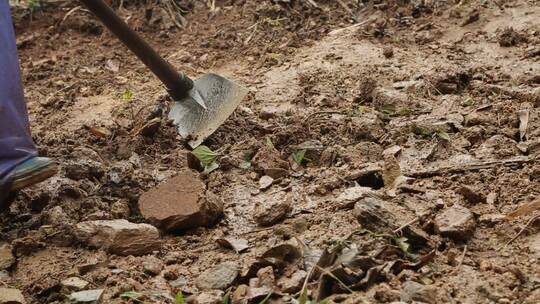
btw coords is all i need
(152, 266)
(218, 277)
(74, 284)
(350, 196)
(181, 203)
(119, 236)
(412, 291)
(456, 222)
(93, 296)
(6, 257)
(265, 182)
(11, 296)
(294, 283)
(209, 297)
(271, 211)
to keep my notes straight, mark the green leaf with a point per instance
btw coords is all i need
(403, 244)
(443, 135)
(131, 295)
(127, 96)
(298, 156)
(266, 299)
(213, 166)
(269, 142)
(303, 299)
(227, 296)
(179, 299)
(205, 155)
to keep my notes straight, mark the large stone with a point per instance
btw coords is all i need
(11, 296)
(416, 292)
(119, 236)
(456, 222)
(181, 203)
(218, 277)
(93, 296)
(6, 257)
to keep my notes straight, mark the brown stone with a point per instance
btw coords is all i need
(181, 203)
(119, 236)
(6, 257)
(456, 222)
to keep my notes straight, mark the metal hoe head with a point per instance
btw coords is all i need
(211, 101)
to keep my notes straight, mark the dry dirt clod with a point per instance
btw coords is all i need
(456, 222)
(294, 283)
(74, 284)
(372, 214)
(181, 203)
(472, 196)
(6, 257)
(152, 266)
(267, 160)
(119, 236)
(207, 297)
(11, 296)
(416, 292)
(271, 211)
(218, 277)
(93, 296)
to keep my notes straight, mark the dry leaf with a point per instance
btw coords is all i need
(525, 209)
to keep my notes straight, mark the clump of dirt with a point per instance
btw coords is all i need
(510, 37)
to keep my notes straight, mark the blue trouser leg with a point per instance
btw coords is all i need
(15, 141)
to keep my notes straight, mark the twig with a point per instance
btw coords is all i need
(521, 231)
(471, 166)
(406, 225)
(460, 260)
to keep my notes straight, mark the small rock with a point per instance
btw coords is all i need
(266, 276)
(120, 209)
(372, 214)
(93, 296)
(412, 291)
(350, 196)
(367, 127)
(181, 203)
(84, 169)
(456, 222)
(11, 296)
(119, 236)
(271, 211)
(240, 294)
(388, 52)
(6, 257)
(265, 182)
(267, 160)
(180, 282)
(152, 266)
(74, 284)
(218, 277)
(56, 216)
(294, 283)
(209, 297)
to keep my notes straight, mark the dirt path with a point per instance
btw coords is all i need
(387, 152)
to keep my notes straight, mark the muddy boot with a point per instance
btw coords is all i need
(32, 171)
